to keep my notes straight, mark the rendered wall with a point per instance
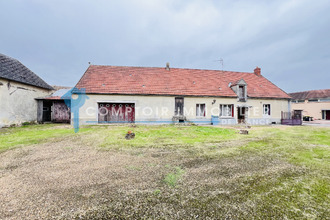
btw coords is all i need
(160, 109)
(17, 102)
(313, 109)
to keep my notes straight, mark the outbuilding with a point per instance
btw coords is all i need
(19, 87)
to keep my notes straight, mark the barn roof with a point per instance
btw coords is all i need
(14, 70)
(100, 79)
(312, 94)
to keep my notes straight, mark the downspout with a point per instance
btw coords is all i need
(289, 105)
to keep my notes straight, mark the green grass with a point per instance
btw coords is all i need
(163, 136)
(33, 134)
(210, 172)
(301, 145)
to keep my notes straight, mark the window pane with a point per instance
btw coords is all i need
(266, 109)
(203, 110)
(226, 110)
(197, 110)
(200, 110)
(241, 91)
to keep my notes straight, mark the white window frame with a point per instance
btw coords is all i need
(266, 110)
(224, 108)
(198, 110)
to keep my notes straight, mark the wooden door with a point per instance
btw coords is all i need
(116, 113)
(241, 111)
(327, 115)
(297, 114)
(60, 112)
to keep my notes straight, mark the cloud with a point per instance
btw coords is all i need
(57, 39)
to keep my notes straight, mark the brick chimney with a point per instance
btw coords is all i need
(167, 66)
(257, 71)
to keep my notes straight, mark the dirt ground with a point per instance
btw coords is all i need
(67, 179)
(57, 179)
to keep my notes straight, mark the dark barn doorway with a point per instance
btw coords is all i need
(47, 111)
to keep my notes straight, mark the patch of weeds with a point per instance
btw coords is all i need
(156, 192)
(172, 178)
(29, 123)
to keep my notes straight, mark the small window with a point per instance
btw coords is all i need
(266, 109)
(226, 110)
(313, 100)
(241, 94)
(241, 91)
(200, 110)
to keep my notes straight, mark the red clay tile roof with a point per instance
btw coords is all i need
(60, 94)
(176, 81)
(53, 98)
(312, 94)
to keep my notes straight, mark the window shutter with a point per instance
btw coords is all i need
(232, 110)
(269, 109)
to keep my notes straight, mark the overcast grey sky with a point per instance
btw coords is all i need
(289, 40)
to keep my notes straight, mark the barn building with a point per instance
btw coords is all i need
(19, 87)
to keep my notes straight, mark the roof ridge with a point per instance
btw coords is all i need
(1, 54)
(13, 69)
(309, 91)
(107, 79)
(180, 68)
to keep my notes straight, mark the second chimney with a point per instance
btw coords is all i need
(167, 66)
(257, 71)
